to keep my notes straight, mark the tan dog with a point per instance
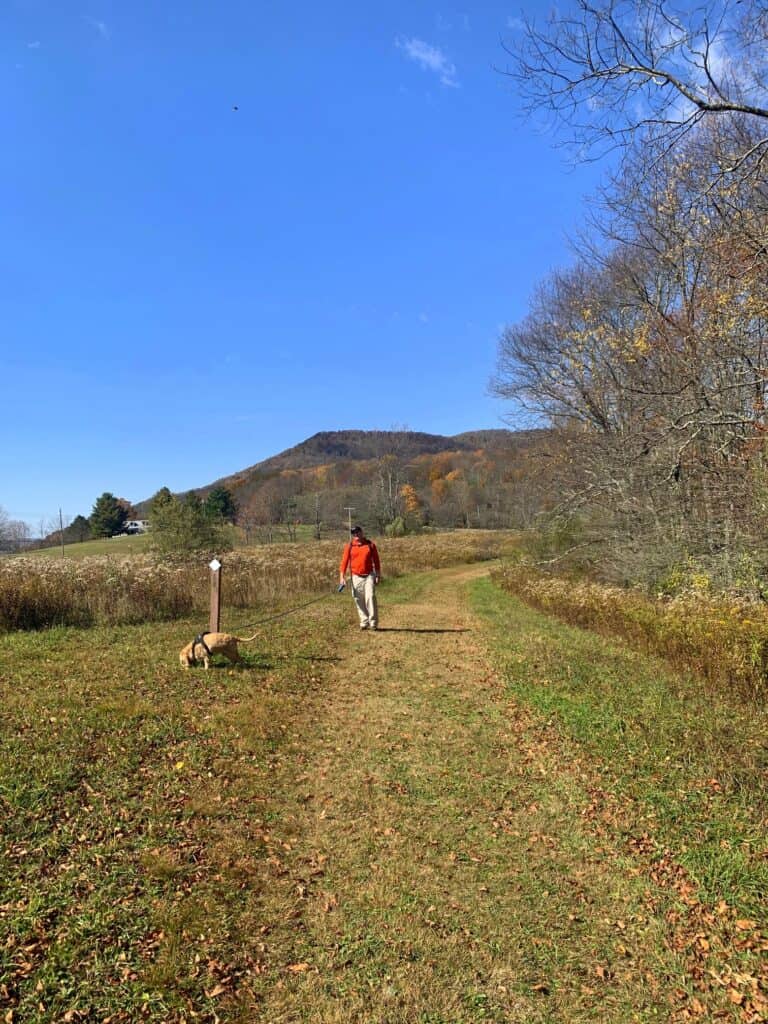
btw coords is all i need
(203, 648)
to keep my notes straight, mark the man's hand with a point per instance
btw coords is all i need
(341, 580)
(377, 578)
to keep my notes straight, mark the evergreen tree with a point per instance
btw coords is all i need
(78, 530)
(108, 516)
(221, 505)
(162, 497)
(192, 500)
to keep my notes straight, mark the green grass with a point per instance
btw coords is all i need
(119, 546)
(374, 828)
(130, 795)
(139, 544)
(476, 865)
(696, 762)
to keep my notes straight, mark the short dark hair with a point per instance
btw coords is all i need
(356, 529)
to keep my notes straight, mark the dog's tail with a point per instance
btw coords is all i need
(246, 639)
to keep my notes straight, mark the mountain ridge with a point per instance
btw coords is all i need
(355, 445)
(340, 467)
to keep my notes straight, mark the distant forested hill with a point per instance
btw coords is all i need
(479, 478)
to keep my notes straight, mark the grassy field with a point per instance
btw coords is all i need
(478, 815)
(36, 593)
(141, 543)
(118, 546)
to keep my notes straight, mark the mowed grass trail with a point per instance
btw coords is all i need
(474, 815)
(473, 861)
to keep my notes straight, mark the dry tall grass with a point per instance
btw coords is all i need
(724, 641)
(39, 593)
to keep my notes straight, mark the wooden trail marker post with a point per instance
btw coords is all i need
(214, 619)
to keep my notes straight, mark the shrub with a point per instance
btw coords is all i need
(189, 525)
(396, 528)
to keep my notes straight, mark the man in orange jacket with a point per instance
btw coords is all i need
(362, 559)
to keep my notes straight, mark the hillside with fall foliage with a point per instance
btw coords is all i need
(485, 478)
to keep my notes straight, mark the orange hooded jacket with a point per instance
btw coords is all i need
(361, 556)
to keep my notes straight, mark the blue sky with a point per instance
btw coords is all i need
(187, 288)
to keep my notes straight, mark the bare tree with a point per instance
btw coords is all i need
(14, 533)
(651, 357)
(247, 520)
(618, 72)
(386, 496)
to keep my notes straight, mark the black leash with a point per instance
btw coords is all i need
(288, 611)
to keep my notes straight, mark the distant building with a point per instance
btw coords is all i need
(136, 526)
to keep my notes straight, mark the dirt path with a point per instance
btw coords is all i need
(443, 857)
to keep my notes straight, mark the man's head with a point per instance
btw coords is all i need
(356, 531)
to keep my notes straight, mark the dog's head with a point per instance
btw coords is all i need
(186, 658)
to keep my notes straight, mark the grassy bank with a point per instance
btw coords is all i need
(721, 639)
(141, 543)
(134, 544)
(679, 782)
(698, 764)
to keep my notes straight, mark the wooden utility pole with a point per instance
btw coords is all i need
(214, 619)
(349, 509)
(61, 532)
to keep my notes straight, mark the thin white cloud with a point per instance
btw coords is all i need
(101, 26)
(721, 66)
(429, 58)
(516, 24)
(670, 33)
(34, 46)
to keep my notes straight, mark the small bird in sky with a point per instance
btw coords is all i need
(235, 108)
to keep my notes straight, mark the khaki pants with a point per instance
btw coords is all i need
(364, 593)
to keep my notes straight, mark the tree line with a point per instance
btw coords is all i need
(648, 357)
(177, 523)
